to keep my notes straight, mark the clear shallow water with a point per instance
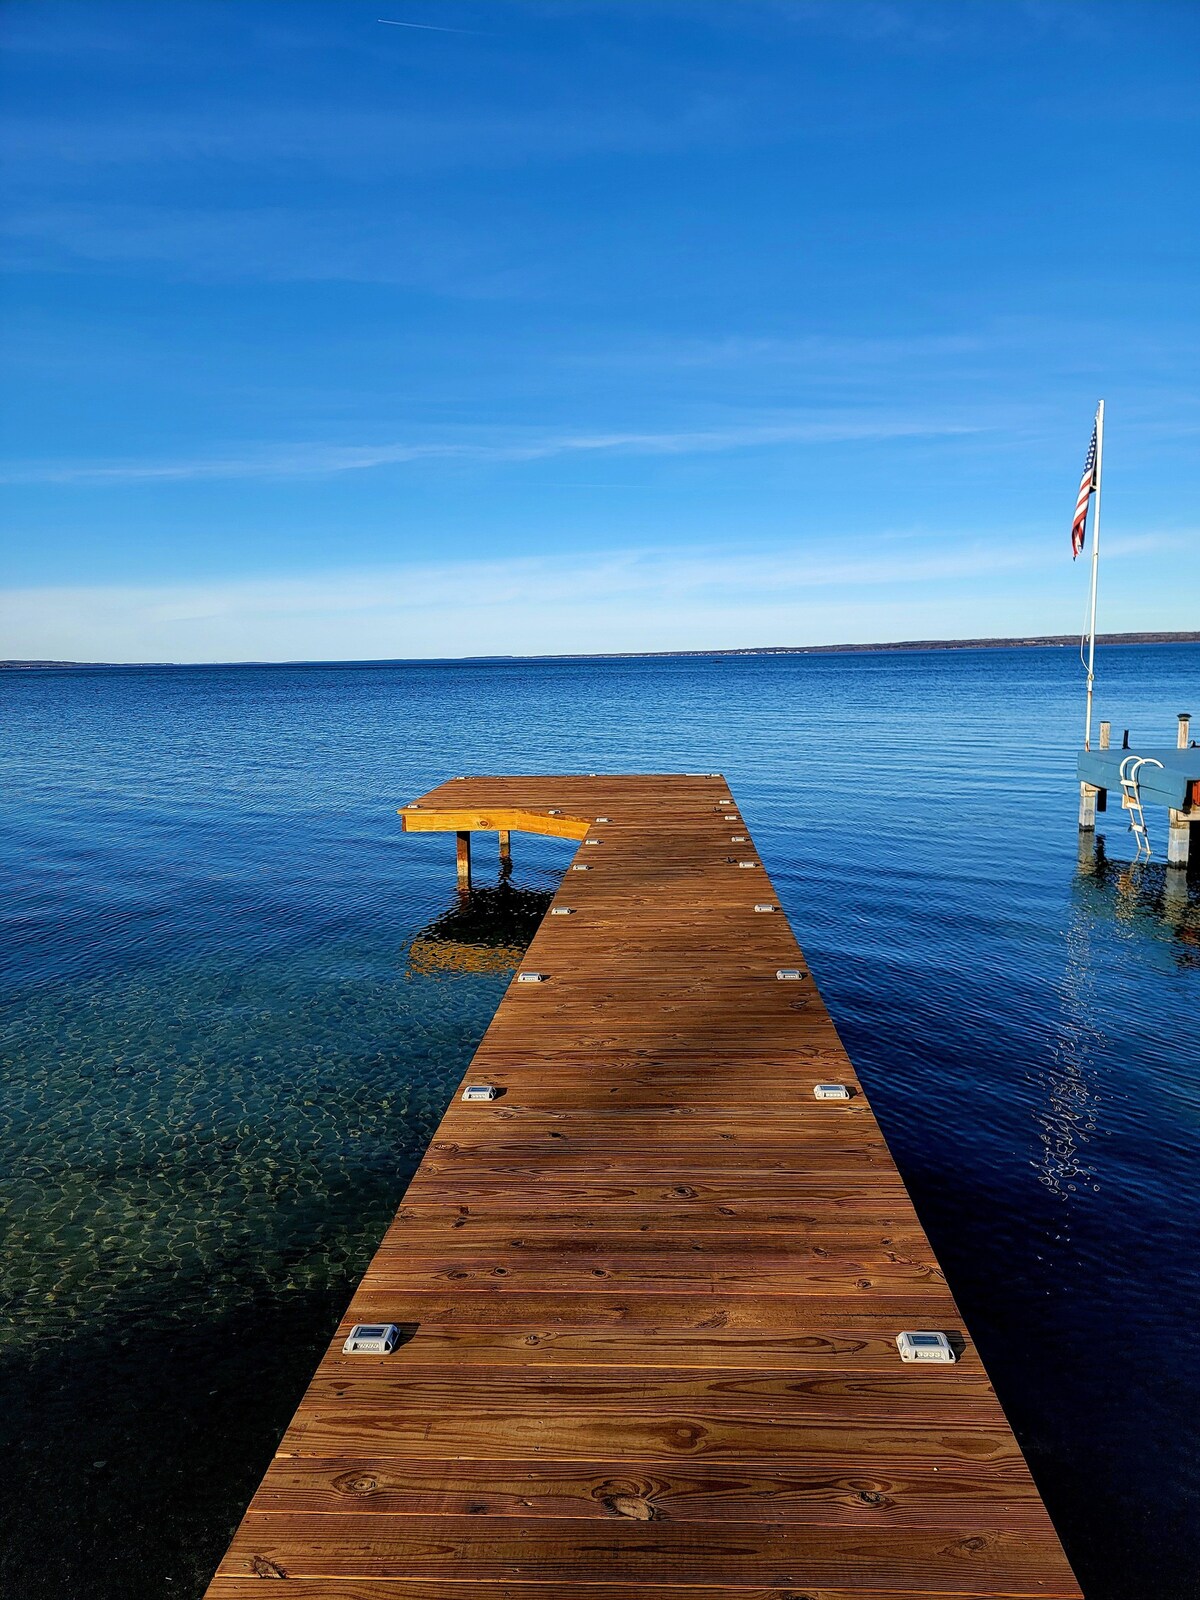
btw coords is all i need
(222, 1056)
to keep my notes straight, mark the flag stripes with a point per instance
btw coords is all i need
(1086, 484)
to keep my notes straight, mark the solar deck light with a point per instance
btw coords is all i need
(480, 1091)
(603, 819)
(830, 1091)
(737, 838)
(561, 911)
(724, 802)
(764, 905)
(553, 812)
(925, 1347)
(581, 869)
(532, 977)
(789, 973)
(372, 1339)
(747, 863)
(591, 841)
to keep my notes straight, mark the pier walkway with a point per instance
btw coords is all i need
(649, 1295)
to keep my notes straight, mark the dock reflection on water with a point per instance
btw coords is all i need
(1151, 899)
(487, 929)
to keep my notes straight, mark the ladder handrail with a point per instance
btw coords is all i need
(1131, 791)
(1138, 763)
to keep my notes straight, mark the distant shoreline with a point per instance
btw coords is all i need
(1029, 642)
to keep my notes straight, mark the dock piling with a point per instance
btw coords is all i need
(1179, 838)
(464, 861)
(1087, 808)
(1105, 735)
(1184, 731)
(505, 841)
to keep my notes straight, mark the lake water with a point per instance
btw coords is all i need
(221, 1062)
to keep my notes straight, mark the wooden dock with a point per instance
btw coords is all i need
(650, 1294)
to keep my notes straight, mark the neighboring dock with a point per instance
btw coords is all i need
(1144, 775)
(649, 1296)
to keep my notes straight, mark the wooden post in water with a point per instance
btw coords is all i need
(505, 838)
(1179, 838)
(1087, 807)
(464, 861)
(1105, 741)
(1091, 799)
(1179, 825)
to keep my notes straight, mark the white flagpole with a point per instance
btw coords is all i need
(1091, 659)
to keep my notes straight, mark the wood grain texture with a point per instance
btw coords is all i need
(649, 1294)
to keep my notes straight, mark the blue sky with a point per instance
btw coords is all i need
(538, 327)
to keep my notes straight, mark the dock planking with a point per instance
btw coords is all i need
(649, 1295)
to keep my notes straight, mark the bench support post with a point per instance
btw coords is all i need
(464, 860)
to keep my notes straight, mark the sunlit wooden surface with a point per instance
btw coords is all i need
(650, 1295)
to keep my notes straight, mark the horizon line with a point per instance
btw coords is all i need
(1009, 642)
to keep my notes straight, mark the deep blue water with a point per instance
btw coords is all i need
(221, 1065)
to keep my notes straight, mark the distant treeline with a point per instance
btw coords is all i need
(1029, 643)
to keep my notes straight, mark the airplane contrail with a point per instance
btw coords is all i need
(425, 27)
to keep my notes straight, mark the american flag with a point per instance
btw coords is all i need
(1086, 484)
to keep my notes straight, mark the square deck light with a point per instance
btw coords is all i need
(925, 1346)
(830, 1091)
(480, 1091)
(764, 905)
(372, 1339)
(789, 973)
(532, 977)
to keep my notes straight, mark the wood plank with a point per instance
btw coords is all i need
(871, 1349)
(974, 1560)
(649, 1295)
(856, 1494)
(649, 1315)
(448, 1587)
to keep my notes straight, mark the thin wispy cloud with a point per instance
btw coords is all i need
(300, 244)
(424, 27)
(321, 460)
(622, 599)
(372, 141)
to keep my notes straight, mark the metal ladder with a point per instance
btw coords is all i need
(1131, 801)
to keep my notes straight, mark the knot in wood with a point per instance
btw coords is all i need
(356, 1483)
(631, 1505)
